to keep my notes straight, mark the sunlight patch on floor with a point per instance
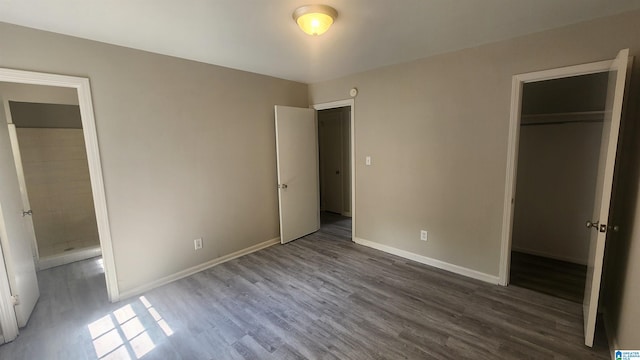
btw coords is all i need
(122, 334)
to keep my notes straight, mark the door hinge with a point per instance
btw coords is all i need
(15, 300)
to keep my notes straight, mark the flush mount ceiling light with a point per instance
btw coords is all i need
(315, 19)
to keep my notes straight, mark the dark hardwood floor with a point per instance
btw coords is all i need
(336, 225)
(319, 297)
(554, 277)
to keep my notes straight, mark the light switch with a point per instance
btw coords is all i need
(367, 160)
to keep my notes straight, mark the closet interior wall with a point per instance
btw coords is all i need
(559, 144)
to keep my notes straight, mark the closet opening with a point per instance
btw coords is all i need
(557, 165)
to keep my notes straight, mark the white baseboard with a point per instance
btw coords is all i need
(430, 261)
(68, 257)
(195, 269)
(549, 255)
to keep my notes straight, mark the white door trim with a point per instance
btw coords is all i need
(85, 103)
(512, 148)
(337, 104)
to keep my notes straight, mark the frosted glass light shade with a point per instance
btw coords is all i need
(315, 19)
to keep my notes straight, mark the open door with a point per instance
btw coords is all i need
(16, 233)
(17, 159)
(604, 184)
(297, 161)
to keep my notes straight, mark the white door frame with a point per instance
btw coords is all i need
(338, 104)
(85, 103)
(517, 84)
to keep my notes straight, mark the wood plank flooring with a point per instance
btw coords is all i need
(554, 277)
(319, 297)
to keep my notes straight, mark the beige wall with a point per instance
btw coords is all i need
(57, 178)
(622, 289)
(557, 169)
(622, 282)
(187, 149)
(437, 130)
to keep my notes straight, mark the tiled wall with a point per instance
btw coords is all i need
(57, 178)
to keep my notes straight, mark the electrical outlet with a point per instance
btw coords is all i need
(197, 243)
(423, 235)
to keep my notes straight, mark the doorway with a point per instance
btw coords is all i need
(598, 226)
(18, 281)
(557, 165)
(336, 167)
(298, 169)
(334, 160)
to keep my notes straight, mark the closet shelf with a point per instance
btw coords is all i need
(562, 118)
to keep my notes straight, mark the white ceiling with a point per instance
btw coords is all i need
(260, 35)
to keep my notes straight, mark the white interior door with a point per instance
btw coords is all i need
(297, 157)
(331, 167)
(604, 184)
(16, 233)
(17, 159)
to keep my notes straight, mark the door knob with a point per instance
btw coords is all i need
(282, 186)
(596, 225)
(28, 212)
